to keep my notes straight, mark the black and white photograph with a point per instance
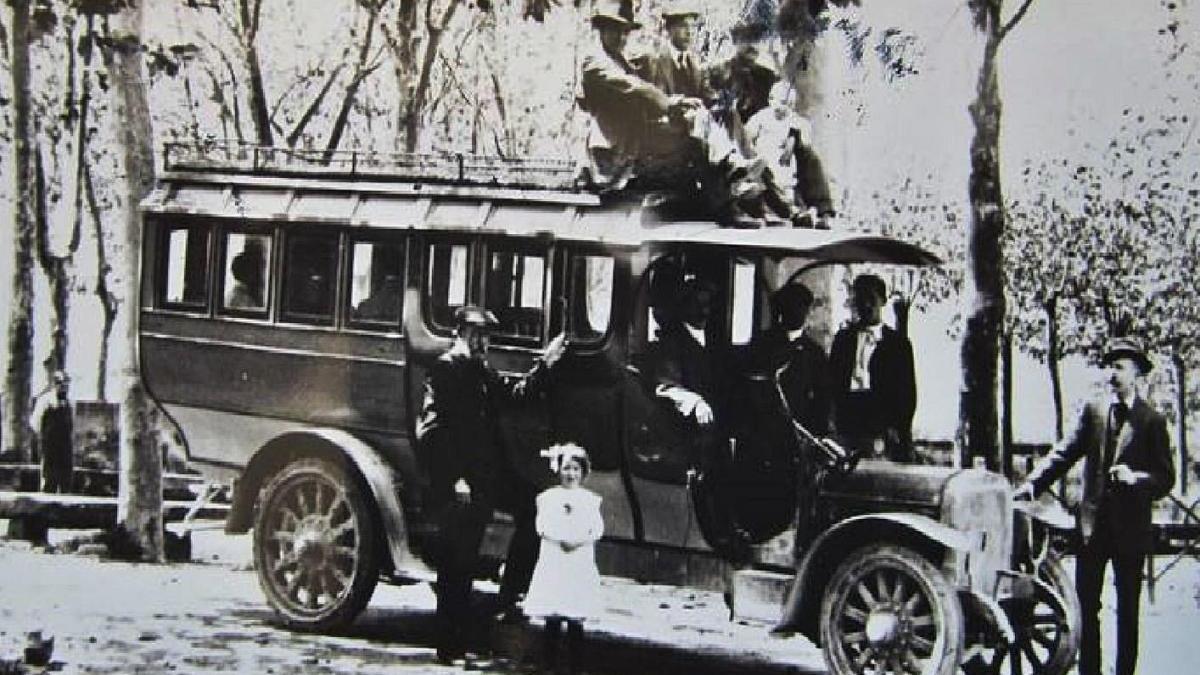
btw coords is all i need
(600, 337)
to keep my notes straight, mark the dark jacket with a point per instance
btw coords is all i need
(660, 68)
(677, 360)
(893, 394)
(623, 106)
(803, 376)
(458, 428)
(1142, 444)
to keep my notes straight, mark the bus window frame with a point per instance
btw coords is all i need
(524, 246)
(404, 242)
(164, 226)
(270, 285)
(425, 244)
(288, 316)
(568, 254)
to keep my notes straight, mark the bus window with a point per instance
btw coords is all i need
(376, 283)
(185, 268)
(742, 328)
(308, 282)
(515, 292)
(247, 272)
(446, 282)
(591, 298)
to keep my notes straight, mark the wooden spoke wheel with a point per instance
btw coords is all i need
(888, 610)
(315, 548)
(1046, 628)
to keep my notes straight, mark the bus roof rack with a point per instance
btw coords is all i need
(450, 168)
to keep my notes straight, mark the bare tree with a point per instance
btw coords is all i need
(985, 302)
(20, 327)
(139, 507)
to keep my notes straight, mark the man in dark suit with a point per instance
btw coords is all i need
(458, 436)
(873, 378)
(799, 361)
(1127, 465)
(672, 66)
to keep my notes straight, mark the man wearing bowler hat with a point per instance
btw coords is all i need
(459, 441)
(1127, 465)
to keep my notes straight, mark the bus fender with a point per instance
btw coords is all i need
(826, 552)
(329, 443)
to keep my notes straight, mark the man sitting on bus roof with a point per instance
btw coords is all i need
(640, 132)
(459, 444)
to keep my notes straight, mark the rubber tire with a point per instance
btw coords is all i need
(922, 575)
(366, 563)
(1053, 572)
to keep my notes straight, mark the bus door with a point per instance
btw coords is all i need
(586, 401)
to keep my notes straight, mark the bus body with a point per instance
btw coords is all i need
(289, 316)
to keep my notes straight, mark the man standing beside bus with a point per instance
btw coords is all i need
(459, 442)
(1127, 465)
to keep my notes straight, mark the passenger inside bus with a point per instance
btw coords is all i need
(248, 269)
(383, 304)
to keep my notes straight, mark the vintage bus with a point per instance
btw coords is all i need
(291, 306)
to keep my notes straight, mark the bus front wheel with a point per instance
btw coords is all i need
(314, 546)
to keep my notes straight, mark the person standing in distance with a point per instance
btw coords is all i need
(1127, 465)
(458, 439)
(57, 439)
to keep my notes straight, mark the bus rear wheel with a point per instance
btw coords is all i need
(315, 548)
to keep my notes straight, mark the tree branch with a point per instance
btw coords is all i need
(1016, 19)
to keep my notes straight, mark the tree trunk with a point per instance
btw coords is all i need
(108, 300)
(1053, 357)
(258, 95)
(361, 71)
(20, 324)
(139, 485)
(1181, 383)
(984, 280)
(415, 109)
(1006, 389)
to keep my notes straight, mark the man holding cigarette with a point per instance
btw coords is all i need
(1127, 465)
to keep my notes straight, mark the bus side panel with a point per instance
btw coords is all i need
(345, 382)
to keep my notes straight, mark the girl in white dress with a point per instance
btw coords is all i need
(566, 582)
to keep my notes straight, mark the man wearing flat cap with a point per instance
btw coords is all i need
(458, 438)
(1127, 466)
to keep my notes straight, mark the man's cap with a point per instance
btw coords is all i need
(870, 283)
(469, 315)
(680, 9)
(614, 13)
(1127, 348)
(791, 303)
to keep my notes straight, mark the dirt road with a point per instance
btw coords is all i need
(208, 616)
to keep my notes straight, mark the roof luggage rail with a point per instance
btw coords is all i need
(454, 168)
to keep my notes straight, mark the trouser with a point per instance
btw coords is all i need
(56, 469)
(460, 533)
(522, 554)
(1089, 581)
